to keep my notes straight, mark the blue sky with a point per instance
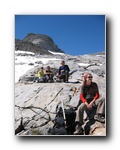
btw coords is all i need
(74, 34)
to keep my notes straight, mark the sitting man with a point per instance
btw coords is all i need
(41, 76)
(48, 74)
(64, 72)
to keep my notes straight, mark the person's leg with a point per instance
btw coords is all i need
(100, 103)
(90, 114)
(46, 78)
(62, 77)
(80, 113)
(79, 117)
(66, 76)
(51, 77)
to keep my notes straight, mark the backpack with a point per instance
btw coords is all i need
(60, 128)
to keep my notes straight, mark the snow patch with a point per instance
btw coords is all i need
(37, 41)
(22, 64)
(24, 52)
(56, 53)
(83, 64)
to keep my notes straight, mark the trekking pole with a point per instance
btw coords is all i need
(63, 112)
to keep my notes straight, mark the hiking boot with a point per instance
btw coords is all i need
(78, 129)
(99, 118)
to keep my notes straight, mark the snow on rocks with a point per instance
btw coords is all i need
(36, 102)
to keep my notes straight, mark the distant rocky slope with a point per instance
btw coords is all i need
(36, 102)
(30, 47)
(37, 43)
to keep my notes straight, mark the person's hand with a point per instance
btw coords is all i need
(88, 106)
(62, 70)
(92, 102)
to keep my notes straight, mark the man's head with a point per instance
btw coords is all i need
(62, 62)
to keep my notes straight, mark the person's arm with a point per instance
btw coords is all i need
(97, 91)
(68, 69)
(38, 74)
(51, 73)
(82, 98)
(59, 71)
(45, 72)
(82, 91)
(85, 101)
(96, 95)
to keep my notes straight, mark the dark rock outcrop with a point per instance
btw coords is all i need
(30, 47)
(37, 43)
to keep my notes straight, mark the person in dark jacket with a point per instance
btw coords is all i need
(64, 72)
(90, 98)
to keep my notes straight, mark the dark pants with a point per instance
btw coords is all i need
(48, 77)
(64, 77)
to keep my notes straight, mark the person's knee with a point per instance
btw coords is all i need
(102, 99)
(82, 107)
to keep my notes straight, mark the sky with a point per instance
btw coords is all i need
(74, 34)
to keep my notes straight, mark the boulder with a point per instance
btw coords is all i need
(37, 103)
(31, 75)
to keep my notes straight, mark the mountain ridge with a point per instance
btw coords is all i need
(37, 43)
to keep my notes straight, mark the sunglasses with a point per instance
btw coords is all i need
(89, 77)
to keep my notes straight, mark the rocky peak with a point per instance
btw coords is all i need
(37, 38)
(30, 47)
(37, 43)
(43, 41)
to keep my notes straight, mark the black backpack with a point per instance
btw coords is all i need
(60, 128)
